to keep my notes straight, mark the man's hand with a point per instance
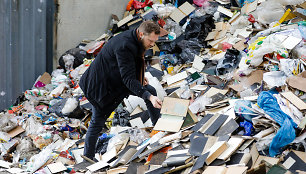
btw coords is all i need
(155, 101)
(146, 81)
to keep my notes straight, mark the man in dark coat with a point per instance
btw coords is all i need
(116, 72)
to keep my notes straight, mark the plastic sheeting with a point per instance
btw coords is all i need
(286, 133)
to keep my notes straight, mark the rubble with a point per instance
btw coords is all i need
(231, 75)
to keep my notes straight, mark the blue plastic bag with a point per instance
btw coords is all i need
(286, 133)
(248, 128)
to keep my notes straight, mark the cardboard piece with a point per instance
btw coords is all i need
(225, 11)
(215, 170)
(197, 145)
(234, 143)
(246, 144)
(16, 131)
(97, 166)
(293, 163)
(56, 167)
(298, 81)
(137, 153)
(219, 26)
(181, 12)
(300, 154)
(137, 122)
(208, 123)
(110, 154)
(215, 43)
(117, 170)
(294, 100)
(212, 91)
(235, 17)
(174, 106)
(303, 5)
(236, 170)
(77, 155)
(177, 77)
(267, 159)
(240, 45)
(197, 63)
(43, 80)
(125, 20)
(254, 154)
(228, 128)
(198, 88)
(202, 122)
(220, 34)
(190, 119)
(170, 125)
(218, 56)
(216, 150)
(264, 133)
(211, 35)
(177, 15)
(215, 125)
(200, 162)
(163, 32)
(246, 82)
(249, 7)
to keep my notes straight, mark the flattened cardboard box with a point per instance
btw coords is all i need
(181, 12)
(173, 112)
(174, 106)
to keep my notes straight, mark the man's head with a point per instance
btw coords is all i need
(148, 33)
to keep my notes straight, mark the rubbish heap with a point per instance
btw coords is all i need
(232, 78)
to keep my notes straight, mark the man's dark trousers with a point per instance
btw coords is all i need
(101, 111)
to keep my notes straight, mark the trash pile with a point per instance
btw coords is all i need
(232, 78)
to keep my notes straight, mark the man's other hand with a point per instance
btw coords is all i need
(146, 81)
(155, 101)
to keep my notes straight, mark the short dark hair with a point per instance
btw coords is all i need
(148, 27)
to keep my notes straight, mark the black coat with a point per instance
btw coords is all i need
(116, 69)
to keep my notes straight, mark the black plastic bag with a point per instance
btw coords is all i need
(121, 117)
(229, 62)
(78, 54)
(78, 112)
